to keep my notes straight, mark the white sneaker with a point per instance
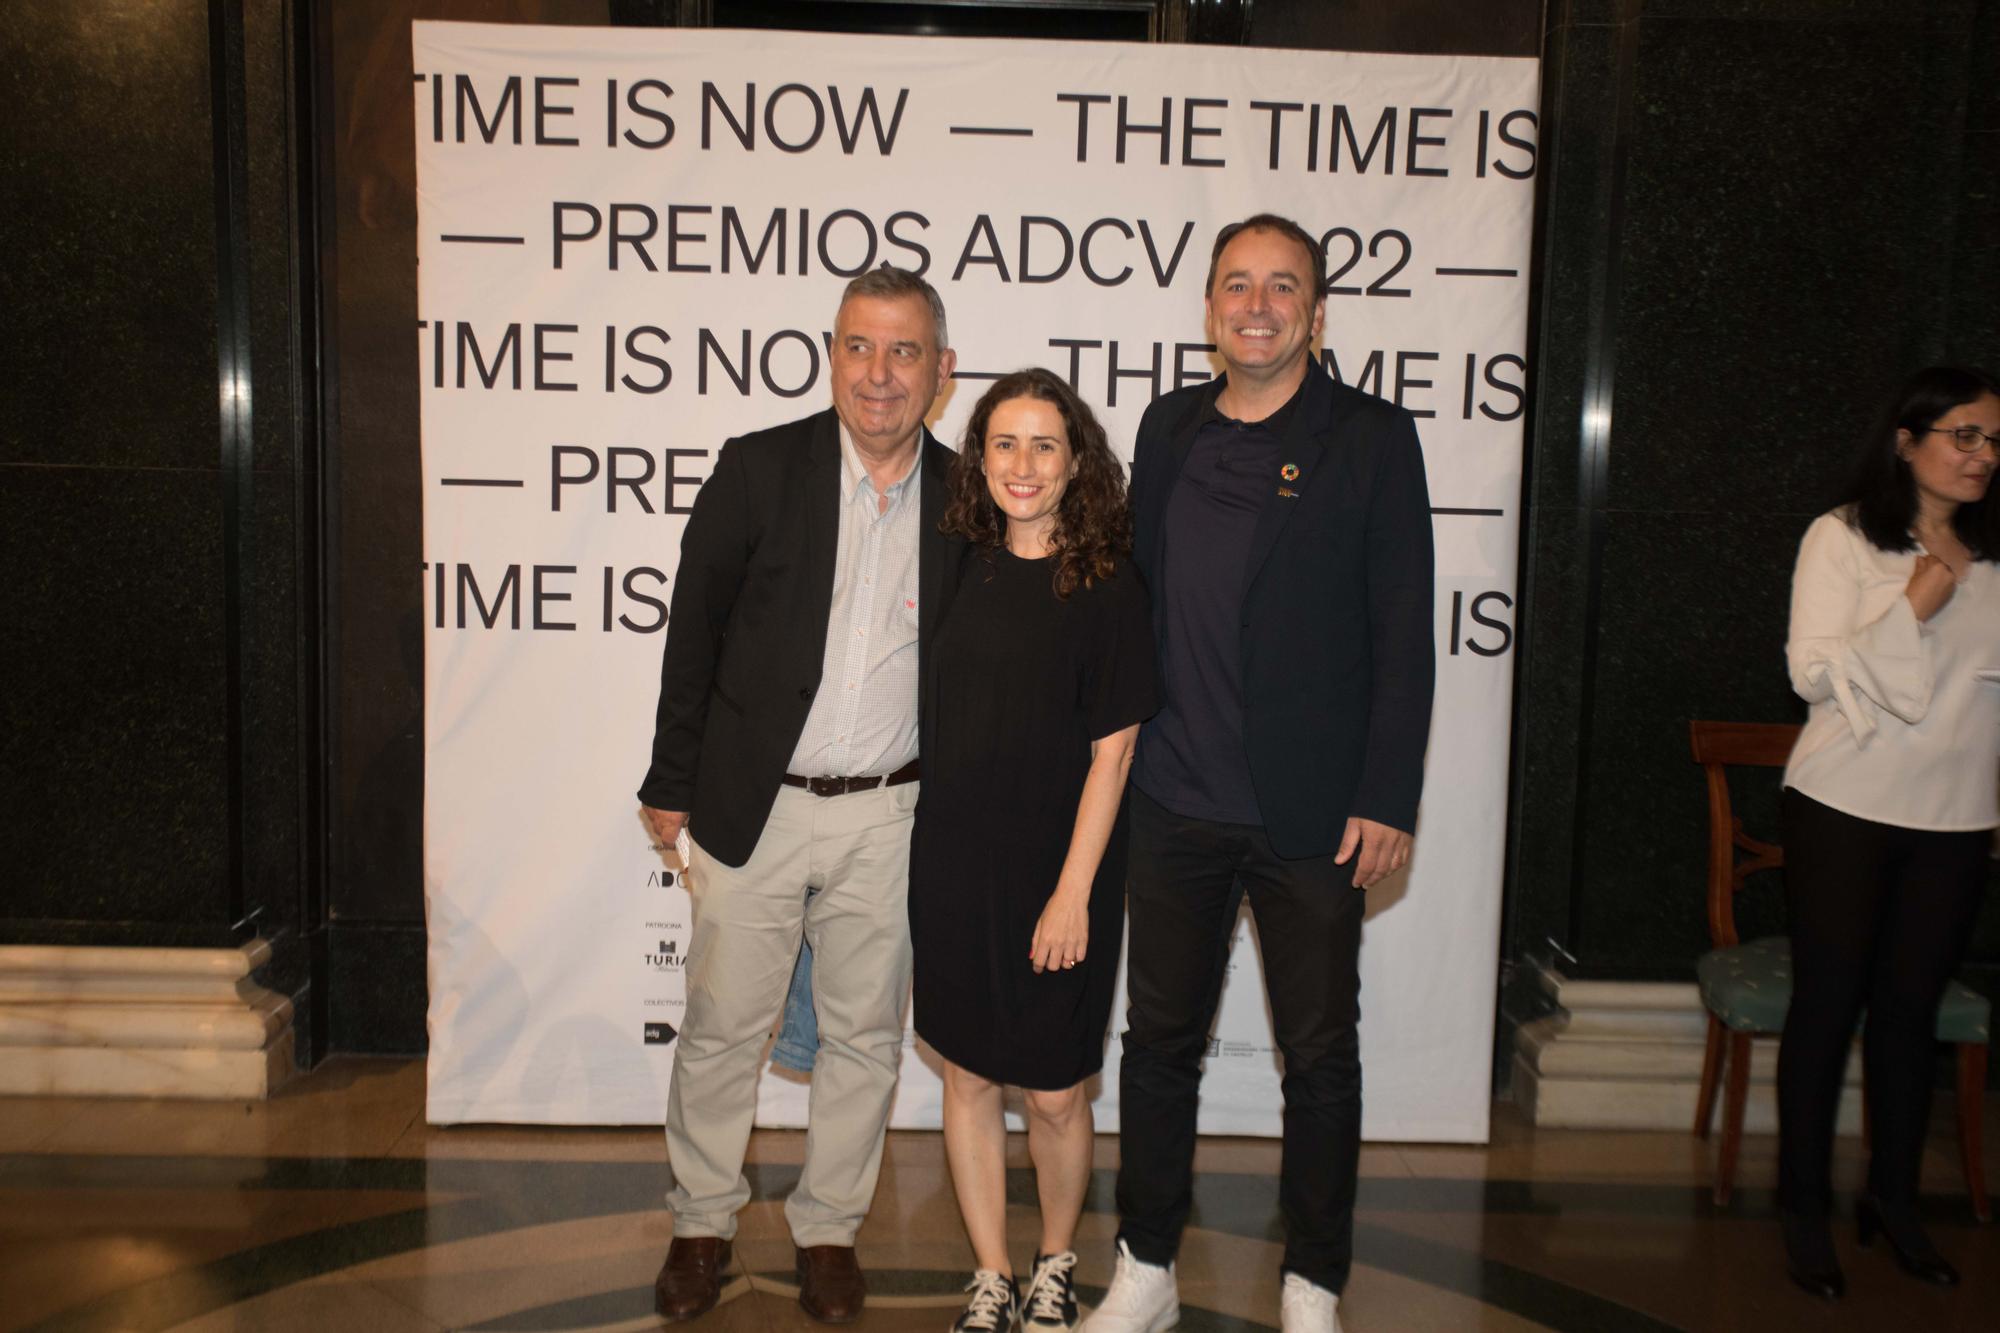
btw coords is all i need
(1143, 1298)
(1305, 1308)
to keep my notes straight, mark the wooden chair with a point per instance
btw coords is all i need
(1746, 988)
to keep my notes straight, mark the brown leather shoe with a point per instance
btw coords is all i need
(690, 1281)
(831, 1287)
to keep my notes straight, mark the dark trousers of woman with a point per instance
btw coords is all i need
(1879, 920)
(1185, 880)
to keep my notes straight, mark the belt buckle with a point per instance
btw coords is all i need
(822, 786)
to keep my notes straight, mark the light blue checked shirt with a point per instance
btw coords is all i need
(864, 715)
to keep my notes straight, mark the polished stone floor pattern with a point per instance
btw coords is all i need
(334, 1207)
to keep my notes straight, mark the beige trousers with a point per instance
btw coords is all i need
(836, 869)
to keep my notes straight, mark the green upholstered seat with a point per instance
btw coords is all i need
(1749, 987)
(1964, 1015)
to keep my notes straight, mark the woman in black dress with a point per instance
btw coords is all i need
(1035, 687)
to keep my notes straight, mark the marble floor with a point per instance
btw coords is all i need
(334, 1207)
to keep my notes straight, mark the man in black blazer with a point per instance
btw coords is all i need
(812, 572)
(1283, 524)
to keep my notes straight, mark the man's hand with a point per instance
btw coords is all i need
(666, 826)
(1384, 850)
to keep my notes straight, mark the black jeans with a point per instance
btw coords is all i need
(1879, 920)
(1186, 878)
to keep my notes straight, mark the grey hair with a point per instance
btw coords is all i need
(892, 284)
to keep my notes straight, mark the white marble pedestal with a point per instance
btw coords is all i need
(141, 1022)
(1627, 1055)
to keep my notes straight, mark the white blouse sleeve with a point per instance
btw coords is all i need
(1884, 665)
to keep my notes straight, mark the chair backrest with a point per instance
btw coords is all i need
(1717, 746)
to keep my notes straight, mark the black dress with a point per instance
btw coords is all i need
(1023, 683)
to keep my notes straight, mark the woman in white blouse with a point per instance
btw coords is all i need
(1891, 796)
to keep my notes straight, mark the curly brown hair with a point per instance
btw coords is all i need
(1093, 523)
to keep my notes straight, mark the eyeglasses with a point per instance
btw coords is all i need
(1967, 438)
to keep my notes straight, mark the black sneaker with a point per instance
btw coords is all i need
(1050, 1305)
(995, 1306)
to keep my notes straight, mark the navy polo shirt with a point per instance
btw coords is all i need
(1191, 756)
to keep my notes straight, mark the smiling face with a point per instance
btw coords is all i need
(1947, 476)
(886, 369)
(1262, 312)
(1028, 464)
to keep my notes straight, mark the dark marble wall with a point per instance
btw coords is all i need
(1758, 217)
(111, 494)
(278, 536)
(1972, 331)
(149, 521)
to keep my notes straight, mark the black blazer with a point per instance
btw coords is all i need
(1338, 663)
(746, 636)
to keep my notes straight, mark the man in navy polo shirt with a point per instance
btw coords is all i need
(1283, 524)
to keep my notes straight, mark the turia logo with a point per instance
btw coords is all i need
(660, 1034)
(1243, 1050)
(667, 958)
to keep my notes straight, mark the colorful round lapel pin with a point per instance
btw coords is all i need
(1290, 472)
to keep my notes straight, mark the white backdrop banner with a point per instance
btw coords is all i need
(631, 247)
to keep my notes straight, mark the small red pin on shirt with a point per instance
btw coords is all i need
(910, 603)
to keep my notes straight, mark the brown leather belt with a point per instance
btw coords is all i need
(842, 786)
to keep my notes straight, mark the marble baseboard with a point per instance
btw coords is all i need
(141, 1023)
(1572, 994)
(54, 973)
(1628, 1055)
(1625, 1024)
(145, 1071)
(247, 1026)
(1650, 1104)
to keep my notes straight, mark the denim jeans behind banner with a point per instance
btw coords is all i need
(798, 1038)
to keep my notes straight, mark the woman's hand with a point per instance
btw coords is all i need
(1062, 933)
(1931, 585)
